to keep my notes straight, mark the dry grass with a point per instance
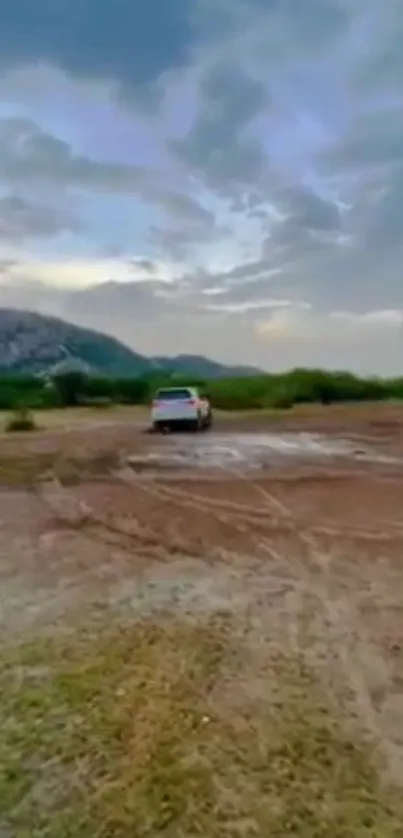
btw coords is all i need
(28, 469)
(69, 443)
(209, 725)
(157, 728)
(60, 417)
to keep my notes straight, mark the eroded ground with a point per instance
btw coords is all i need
(203, 634)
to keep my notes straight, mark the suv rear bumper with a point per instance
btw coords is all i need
(171, 416)
(195, 422)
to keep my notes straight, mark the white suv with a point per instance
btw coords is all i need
(180, 406)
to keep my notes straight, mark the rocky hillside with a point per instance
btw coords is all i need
(189, 364)
(35, 343)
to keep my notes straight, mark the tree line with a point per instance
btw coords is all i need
(279, 391)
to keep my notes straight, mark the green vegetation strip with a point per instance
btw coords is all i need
(159, 728)
(280, 391)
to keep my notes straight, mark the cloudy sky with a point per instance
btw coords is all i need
(218, 176)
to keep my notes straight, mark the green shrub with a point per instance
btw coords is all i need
(280, 390)
(20, 420)
(69, 387)
(281, 399)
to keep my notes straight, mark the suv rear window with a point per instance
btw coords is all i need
(173, 395)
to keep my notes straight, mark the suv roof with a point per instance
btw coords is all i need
(174, 389)
(178, 392)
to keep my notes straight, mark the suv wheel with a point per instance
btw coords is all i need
(208, 420)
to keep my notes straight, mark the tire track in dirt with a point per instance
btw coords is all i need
(337, 618)
(314, 591)
(340, 621)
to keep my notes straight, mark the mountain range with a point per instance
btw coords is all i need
(33, 343)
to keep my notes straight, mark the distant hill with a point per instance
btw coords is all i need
(33, 343)
(189, 364)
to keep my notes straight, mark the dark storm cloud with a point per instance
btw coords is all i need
(313, 23)
(347, 258)
(149, 266)
(183, 206)
(370, 154)
(217, 146)
(178, 242)
(285, 25)
(250, 292)
(117, 300)
(305, 210)
(385, 226)
(29, 155)
(343, 254)
(133, 43)
(123, 40)
(6, 265)
(298, 246)
(220, 147)
(244, 271)
(21, 219)
(382, 66)
(374, 139)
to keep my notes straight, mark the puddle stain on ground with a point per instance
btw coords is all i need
(251, 450)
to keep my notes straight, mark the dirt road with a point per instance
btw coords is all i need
(289, 528)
